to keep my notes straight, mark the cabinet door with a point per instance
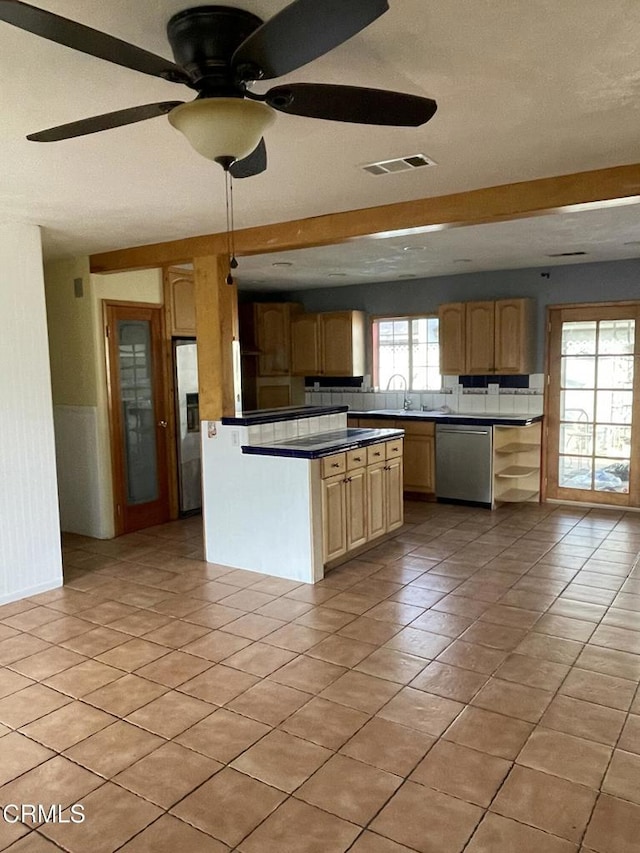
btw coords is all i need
(393, 494)
(274, 338)
(180, 296)
(513, 337)
(376, 499)
(451, 323)
(334, 518)
(356, 498)
(418, 463)
(480, 337)
(305, 345)
(273, 396)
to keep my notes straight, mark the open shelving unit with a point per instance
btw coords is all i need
(516, 463)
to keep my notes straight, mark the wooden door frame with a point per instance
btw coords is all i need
(115, 440)
(598, 311)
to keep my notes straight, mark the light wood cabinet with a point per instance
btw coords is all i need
(516, 463)
(180, 302)
(419, 456)
(328, 344)
(273, 332)
(451, 332)
(361, 497)
(479, 340)
(305, 345)
(486, 337)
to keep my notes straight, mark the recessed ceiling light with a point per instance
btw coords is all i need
(282, 264)
(462, 261)
(414, 249)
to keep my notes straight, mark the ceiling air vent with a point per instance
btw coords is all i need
(402, 164)
(566, 254)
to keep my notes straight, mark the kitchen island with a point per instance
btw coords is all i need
(290, 491)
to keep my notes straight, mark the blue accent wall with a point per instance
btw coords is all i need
(595, 282)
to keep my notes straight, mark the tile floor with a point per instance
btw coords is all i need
(470, 685)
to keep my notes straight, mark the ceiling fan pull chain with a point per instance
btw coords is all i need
(229, 210)
(233, 263)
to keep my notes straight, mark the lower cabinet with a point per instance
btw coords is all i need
(419, 456)
(361, 497)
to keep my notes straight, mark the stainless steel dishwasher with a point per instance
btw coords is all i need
(464, 463)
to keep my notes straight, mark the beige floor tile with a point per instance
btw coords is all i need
(58, 781)
(362, 692)
(546, 802)
(29, 704)
(392, 665)
(623, 776)
(442, 623)
(84, 678)
(174, 669)
(44, 664)
(252, 626)
(284, 609)
(133, 654)
(68, 725)
(12, 682)
(423, 711)
(464, 773)
(140, 623)
(349, 789)
(598, 688)
(308, 674)
(18, 754)
(370, 842)
(584, 719)
(449, 681)
(168, 774)
(214, 616)
(282, 760)
(295, 638)
(534, 672)
(300, 828)
(171, 714)
(32, 843)
(325, 723)
(370, 630)
(176, 634)
(96, 641)
(614, 826)
(573, 758)
(19, 647)
(501, 736)
(512, 699)
(473, 657)
(229, 806)
(610, 662)
(216, 646)
(617, 638)
(388, 746)
(112, 749)
(112, 817)
(423, 644)
(549, 648)
(168, 835)
(269, 702)
(223, 735)
(125, 695)
(500, 637)
(341, 651)
(630, 737)
(416, 816)
(218, 685)
(498, 834)
(259, 659)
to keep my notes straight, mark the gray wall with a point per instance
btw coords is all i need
(596, 282)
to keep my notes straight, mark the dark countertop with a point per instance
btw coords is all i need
(323, 443)
(288, 413)
(448, 417)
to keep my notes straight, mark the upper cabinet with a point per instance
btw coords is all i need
(273, 336)
(328, 344)
(180, 301)
(486, 337)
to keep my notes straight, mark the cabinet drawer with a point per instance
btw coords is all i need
(375, 453)
(336, 464)
(393, 448)
(356, 458)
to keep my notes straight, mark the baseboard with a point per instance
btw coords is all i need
(33, 590)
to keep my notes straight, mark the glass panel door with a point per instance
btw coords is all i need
(591, 410)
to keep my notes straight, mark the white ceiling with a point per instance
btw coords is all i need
(526, 89)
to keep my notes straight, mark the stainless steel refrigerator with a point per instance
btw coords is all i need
(185, 360)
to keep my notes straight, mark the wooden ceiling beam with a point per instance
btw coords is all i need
(492, 204)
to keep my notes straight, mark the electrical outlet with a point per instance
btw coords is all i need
(235, 438)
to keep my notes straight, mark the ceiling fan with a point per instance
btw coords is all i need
(220, 52)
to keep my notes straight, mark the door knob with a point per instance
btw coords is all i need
(162, 424)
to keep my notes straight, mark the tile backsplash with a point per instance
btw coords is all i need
(490, 400)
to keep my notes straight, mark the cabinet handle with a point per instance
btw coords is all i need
(335, 464)
(359, 458)
(348, 479)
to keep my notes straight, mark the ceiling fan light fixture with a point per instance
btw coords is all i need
(222, 129)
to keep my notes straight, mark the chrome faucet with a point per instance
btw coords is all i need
(408, 403)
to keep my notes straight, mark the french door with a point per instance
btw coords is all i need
(138, 415)
(594, 404)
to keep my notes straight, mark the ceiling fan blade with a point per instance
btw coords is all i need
(252, 165)
(88, 40)
(103, 122)
(352, 104)
(301, 32)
